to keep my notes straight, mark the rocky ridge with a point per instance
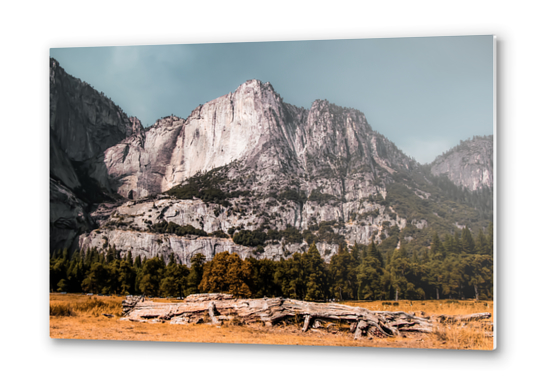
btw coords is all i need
(469, 164)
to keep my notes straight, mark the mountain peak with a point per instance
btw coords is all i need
(258, 86)
(469, 164)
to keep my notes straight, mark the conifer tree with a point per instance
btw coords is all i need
(467, 241)
(480, 244)
(291, 276)
(479, 272)
(239, 276)
(356, 252)
(437, 248)
(369, 275)
(126, 278)
(342, 275)
(129, 258)
(433, 277)
(451, 276)
(110, 255)
(317, 280)
(449, 244)
(399, 270)
(173, 283)
(151, 276)
(263, 278)
(458, 244)
(96, 279)
(227, 273)
(74, 274)
(418, 271)
(489, 240)
(196, 273)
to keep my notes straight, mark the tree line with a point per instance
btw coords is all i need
(456, 266)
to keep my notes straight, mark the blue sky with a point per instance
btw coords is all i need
(424, 94)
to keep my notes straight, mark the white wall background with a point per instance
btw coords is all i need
(28, 30)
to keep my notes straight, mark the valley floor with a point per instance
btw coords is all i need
(81, 317)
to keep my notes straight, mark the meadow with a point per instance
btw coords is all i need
(77, 316)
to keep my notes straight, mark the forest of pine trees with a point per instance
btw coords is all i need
(458, 266)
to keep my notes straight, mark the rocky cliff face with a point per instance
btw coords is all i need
(244, 161)
(83, 124)
(254, 127)
(470, 164)
(280, 166)
(83, 121)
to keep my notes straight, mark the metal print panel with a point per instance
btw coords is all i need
(310, 192)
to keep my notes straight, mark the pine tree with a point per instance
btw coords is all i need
(239, 276)
(434, 277)
(370, 274)
(110, 255)
(467, 241)
(451, 276)
(449, 244)
(126, 277)
(356, 252)
(457, 242)
(196, 273)
(74, 274)
(480, 244)
(263, 278)
(129, 258)
(317, 285)
(227, 273)
(479, 272)
(173, 283)
(489, 240)
(342, 275)
(96, 279)
(437, 248)
(58, 268)
(151, 276)
(399, 270)
(417, 274)
(291, 276)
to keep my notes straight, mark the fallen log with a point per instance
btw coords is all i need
(215, 308)
(462, 318)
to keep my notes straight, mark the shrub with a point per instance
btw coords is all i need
(273, 234)
(97, 307)
(204, 187)
(327, 234)
(321, 198)
(292, 235)
(179, 230)
(250, 238)
(292, 195)
(61, 310)
(309, 236)
(220, 233)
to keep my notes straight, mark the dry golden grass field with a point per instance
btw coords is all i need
(81, 317)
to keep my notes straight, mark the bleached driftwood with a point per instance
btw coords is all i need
(214, 308)
(463, 318)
